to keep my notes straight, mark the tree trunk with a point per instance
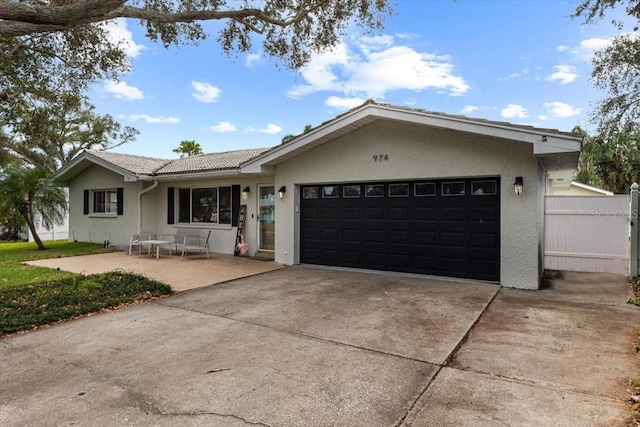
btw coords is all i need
(32, 227)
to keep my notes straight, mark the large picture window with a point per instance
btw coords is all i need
(105, 201)
(204, 205)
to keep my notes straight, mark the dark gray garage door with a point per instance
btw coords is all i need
(439, 227)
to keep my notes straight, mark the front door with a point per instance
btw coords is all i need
(267, 218)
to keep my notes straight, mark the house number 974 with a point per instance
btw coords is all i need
(380, 157)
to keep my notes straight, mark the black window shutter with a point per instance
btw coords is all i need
(86, 202)
(171, 205)
(120, 200)
(235, 204)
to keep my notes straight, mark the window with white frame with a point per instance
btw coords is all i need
(105, 201)
(204, 205)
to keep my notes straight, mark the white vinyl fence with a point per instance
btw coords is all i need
(587, 233)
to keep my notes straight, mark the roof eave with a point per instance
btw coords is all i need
(181, 176)
(83, 162)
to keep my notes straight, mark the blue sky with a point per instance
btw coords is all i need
(523, 62)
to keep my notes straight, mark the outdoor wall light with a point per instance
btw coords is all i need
(518, 186)
(281, 191)
(245, 193)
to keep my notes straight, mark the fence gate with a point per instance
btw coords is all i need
(587, 233)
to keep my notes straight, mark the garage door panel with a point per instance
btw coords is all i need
(484, 213)
(423, 232)
(483, 240)
(374, 213)
(425, 237)
(425, 213)
(354, 236)
(457, 213)
(453, 240)
(331, 234)
(398, 214)
(398, 236)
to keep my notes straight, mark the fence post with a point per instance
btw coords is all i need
(633, 227)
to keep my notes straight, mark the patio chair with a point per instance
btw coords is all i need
(198, 243)
(134, 240)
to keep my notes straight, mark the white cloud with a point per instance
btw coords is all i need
(374, 66)
(122, 90)
(120, 35)
(543, 117)
(251, 60)
(343, 103)
(205, 92)
(562, 110)
(562, 48)
(563, 73)
(585, 50)
(469, 109)
(270, 129)
(514, 111)
(150, 119)
(222, 127)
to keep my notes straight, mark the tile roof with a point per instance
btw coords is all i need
(141, 165)
(210, 162)
(138, 165)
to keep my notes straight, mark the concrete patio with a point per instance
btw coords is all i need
(180, 273)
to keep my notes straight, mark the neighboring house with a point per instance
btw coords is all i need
(57, 232)
(380, 187)
(579, 189)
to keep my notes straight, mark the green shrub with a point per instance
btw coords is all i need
(35, 305)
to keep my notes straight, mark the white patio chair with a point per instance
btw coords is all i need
(134, 240)
(197, 243)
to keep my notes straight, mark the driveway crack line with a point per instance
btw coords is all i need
(199, 413)
(450, 358)
(313, 337)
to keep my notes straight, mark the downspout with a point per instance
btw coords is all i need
(146, 190)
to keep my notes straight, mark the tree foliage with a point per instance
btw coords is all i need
(27, 193)
(612, 163)
(188, 148)
(287, 29)
(45, 116)
(49, 132)
(616, 68)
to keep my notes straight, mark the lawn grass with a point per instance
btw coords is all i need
(13, 273)
(33, 296)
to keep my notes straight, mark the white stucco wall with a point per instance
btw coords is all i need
(416, 153)
(223, 236)
(97, 228)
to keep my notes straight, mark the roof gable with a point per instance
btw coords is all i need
(545, 141)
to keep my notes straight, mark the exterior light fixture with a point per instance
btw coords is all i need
(518, 185)
(245, 193)
(281, 191)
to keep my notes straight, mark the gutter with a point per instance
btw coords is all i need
(140, 194)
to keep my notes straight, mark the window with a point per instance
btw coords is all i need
(455, 188)
(105, 201)
(204, 205)
(483, 188)
(330, 192)
(398, 190)
(310, 192)
(351, 191)
(421, 189)
(374, 190)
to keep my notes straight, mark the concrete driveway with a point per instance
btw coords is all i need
(315, 347)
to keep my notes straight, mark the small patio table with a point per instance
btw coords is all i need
(157, 243)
